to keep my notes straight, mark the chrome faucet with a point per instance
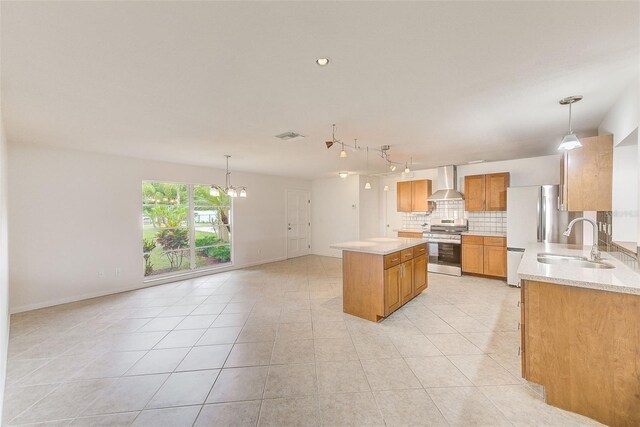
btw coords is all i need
(595, 251)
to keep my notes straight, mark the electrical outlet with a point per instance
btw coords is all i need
(100, 274)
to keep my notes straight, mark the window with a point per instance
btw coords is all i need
(184, 228)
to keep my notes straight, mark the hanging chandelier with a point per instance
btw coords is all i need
(229, 189)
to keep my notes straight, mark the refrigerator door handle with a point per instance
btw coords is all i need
(539, 230)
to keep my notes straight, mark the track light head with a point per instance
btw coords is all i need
(329, 144)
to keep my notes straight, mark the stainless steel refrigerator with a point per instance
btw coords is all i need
(533, 216)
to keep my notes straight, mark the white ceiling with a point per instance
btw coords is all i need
(443, 82)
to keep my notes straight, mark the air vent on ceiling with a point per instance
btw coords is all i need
(288, 136)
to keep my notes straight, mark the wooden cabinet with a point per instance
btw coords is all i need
(420, 277)
(486, 192)
(374, 286)
(411, 234)
(474, 193)
(495, 261)
(412, 195)
(496, 185)
(473, 258)
(392, 289)
(484, 255)
(405, 195)
(406, 280)
(583, 346)
(586, 175)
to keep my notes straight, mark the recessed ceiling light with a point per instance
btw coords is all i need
(323, 62)
(343, 175)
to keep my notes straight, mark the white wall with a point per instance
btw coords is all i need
(369, 222)
(335, 213)
(531, 171)
(624, 194)
(624, 116)
(4, 266)
(622, 121)
(73, 214)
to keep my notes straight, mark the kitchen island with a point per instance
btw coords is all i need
(382, 274)
(580, 333)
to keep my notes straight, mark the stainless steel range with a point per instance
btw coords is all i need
(445, 245)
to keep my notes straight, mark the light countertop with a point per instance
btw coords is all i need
(379, 245)
(483, 234)
(624, 278)
(409, 230)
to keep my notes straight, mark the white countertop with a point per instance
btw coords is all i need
(379, 245)
(409, 230)
(624, 278)
(483, 234)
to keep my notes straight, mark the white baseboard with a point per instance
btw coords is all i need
(76, 298)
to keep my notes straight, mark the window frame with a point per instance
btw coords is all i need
(192, 228)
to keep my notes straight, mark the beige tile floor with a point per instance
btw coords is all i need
(270, 346)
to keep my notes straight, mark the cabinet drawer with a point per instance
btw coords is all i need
(419, 250)
(391, 260)
(472, 240)
(495, 241)
(406, 254)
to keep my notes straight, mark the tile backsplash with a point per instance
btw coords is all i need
(492, 222)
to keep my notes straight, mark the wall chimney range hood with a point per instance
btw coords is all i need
(447, 179)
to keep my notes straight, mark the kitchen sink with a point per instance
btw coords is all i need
(570, 260)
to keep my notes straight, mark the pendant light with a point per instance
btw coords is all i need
(213, 191)
(229, 189)
(367, 185)
(570, 140)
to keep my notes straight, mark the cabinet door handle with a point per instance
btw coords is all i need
(518, 304)
(518, 325)
(394, 260)
(519, 351)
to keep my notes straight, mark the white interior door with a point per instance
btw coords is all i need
(298, 223)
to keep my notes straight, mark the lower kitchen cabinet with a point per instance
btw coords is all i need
(473, 258)
(392, 289)
(420, 278)
(495, 263)
(486, 256)
(406, 281)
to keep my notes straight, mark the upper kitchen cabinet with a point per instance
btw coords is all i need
(586, 175)
(486, 192)
(412, 195)
(496, 191)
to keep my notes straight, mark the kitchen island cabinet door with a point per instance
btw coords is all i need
(406, 280)
(473, 259)
(474, 193)
(392, 292)
(404, 196)
(420, 280)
